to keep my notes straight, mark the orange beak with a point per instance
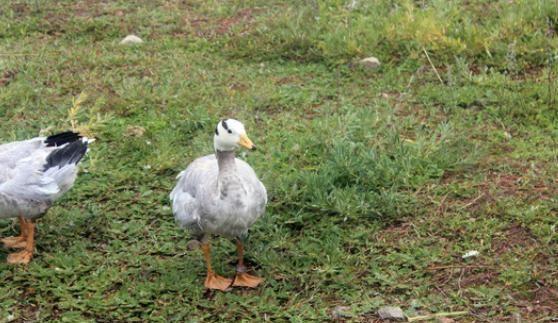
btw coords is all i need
(246, 142)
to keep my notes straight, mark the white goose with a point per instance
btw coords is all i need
(33, 174)
(220, 194)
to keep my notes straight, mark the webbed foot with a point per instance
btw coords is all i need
(214, 281)
(246, 280)
(14, 242)
(22, 257)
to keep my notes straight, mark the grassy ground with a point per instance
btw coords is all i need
(379, 180)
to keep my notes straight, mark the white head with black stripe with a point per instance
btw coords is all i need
(230, 134)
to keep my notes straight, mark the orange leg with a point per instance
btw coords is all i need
(212, 280)
(25, 255)
(242, 278)
(19, 241)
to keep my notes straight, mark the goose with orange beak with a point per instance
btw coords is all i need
(219, 194)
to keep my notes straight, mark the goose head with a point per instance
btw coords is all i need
(230, 134)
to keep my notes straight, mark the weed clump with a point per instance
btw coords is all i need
(361, 165)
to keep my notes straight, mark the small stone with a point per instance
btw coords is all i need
(131, 39)
(134, 131)
(193, 245)
(370, 62)
(352, 4)
(341, 312)
(391, 313)
(469, 254)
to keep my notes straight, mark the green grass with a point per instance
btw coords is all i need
(378, 180)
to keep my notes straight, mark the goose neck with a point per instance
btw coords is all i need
(225, 161)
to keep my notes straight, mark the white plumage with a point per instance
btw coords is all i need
(33, 174)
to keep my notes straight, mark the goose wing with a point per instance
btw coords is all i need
(258, 194)
(29, 184)
(185, 195)
(12, 153)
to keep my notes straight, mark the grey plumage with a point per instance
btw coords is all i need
(35, 172)
(218, 194)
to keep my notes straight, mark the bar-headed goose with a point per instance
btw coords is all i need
(220, 194)
(33, 174)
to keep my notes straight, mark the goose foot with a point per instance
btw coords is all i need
(25, 255)
(246, 280)
(214, 281)
(22, 257)
(242, 278)
(18, 241)
(15, 242)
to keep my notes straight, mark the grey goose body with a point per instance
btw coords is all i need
(219, 194)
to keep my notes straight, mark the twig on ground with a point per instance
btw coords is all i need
(433, 316)
(459, 267)
(433, 67)
(459, 290)
(18, 54)
(472, 202)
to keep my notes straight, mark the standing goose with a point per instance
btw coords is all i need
(33, 174)
(220, 194)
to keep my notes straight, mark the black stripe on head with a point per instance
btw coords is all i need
(224, 123)
(217, 130)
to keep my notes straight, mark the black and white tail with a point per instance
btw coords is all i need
(61, 163)
(74, 147)
(62, 139)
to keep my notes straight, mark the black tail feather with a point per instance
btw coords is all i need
(62, 138)
(70, 154)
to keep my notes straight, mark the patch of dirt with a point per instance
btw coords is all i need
(287, 80)
(54, 24)
(394, 232)
(244, 16)
(240, 87)
(7, 77)
(541, 300)
(507, 184)
(29, 312)
(462, 276)
(531, 72)
(20, 9)
(523, 183)
(474, 278)
(515, 237)
(543, 261)
(205, 27)
(93, 9)
(546, 296)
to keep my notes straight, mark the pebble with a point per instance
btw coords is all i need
(131, 39)
(370, 62)
(391, 313)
